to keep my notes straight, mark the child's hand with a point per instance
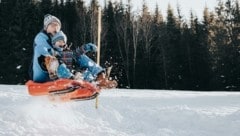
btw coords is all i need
(90, 47)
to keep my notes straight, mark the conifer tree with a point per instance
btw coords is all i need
(173, 39)
(110, 51)
(123, 44)
(17, 24)
(145, 46)
(223, 50)
(159, 76)
(82, 28)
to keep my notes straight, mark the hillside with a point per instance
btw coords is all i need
(121, 112)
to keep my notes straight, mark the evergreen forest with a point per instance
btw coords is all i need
(146, 50)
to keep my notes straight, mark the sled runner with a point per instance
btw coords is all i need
(64, 89)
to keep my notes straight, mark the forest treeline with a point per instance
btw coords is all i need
(146, 49)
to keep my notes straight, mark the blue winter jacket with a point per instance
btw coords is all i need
(42, 47)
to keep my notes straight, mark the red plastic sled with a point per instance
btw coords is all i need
(64, 89)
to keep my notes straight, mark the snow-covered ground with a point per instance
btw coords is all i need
(121, 113)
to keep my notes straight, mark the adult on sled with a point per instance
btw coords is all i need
(46, 44)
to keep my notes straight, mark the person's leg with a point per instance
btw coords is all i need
(85, 62)
(63, 72)
(87, 76)
(97, 72)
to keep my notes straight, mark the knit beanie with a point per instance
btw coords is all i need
(48, 19)
(59, 36)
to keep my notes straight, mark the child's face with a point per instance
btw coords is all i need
(60, 44)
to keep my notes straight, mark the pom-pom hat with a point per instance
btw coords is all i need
(48, 19)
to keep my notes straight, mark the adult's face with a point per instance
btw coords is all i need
(53, 28)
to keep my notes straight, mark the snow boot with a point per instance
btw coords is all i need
(104, 83)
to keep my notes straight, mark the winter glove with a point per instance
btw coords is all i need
(89, 47)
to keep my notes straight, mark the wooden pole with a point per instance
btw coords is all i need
(98, 44)
(99, 35)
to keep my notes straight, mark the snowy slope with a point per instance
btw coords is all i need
(121, 113)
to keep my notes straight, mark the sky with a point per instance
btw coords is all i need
(197, 6)
(121, 112)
